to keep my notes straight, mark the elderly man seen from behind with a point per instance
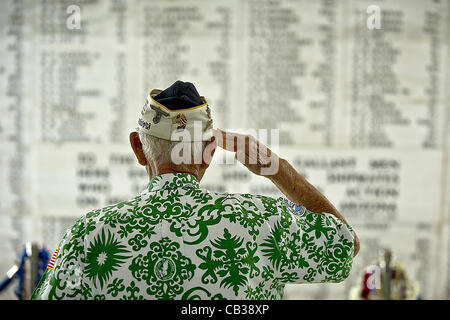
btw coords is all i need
(177, 240)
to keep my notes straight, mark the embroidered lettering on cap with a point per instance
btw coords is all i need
(144, 124)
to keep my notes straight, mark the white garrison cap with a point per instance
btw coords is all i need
(186, 124)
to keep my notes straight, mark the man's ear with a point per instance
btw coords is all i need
(136, 145)
(208, 153)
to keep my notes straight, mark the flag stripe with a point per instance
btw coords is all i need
(51, 263)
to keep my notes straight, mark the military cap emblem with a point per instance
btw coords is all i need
(181, 120)
(159, 114)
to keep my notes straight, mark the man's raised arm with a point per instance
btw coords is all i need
(257, 157)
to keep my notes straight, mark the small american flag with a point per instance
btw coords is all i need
(51, 264)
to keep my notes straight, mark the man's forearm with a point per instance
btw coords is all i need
(297, 189)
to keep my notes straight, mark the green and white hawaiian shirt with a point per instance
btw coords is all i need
(179, 241)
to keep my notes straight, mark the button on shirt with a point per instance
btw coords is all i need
(179, 241)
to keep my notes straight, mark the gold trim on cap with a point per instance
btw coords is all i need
(178, 110)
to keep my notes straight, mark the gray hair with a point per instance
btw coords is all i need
(160, 150)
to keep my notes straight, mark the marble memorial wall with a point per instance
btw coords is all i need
(362, 112)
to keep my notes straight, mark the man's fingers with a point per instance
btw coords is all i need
(228, 140)
(240, 156)
(250, 150)
(220, 137)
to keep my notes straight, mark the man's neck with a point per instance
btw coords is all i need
(171, 168)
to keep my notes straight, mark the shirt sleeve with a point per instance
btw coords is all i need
(63, 277)
(308, 247)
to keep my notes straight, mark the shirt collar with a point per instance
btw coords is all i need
(172, 181)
